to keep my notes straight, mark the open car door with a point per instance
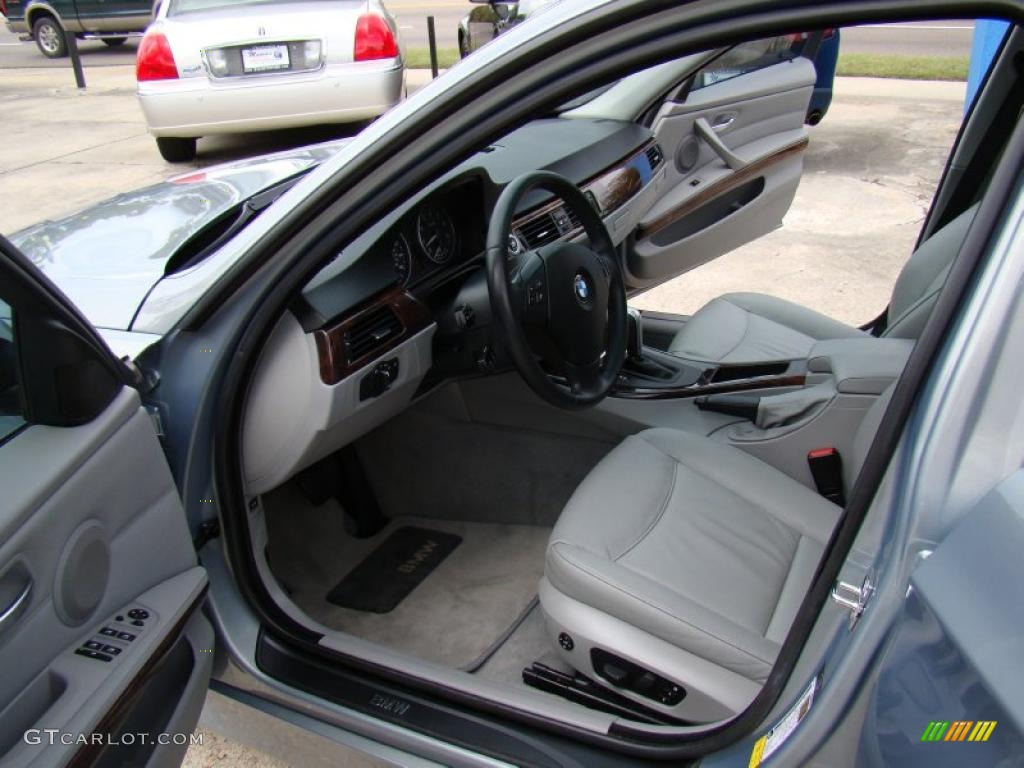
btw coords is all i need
(733, 137)
(106, 658)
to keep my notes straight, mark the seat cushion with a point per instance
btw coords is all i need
(753, 327)
(694, 542)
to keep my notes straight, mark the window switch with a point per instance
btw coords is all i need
(113, 650)
(127, 636)
(92, 654)
(94, 645)
(109, 632)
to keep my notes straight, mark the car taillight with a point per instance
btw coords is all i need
(155, 60)
(374, 39)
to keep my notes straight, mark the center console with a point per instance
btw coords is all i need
(776, 410)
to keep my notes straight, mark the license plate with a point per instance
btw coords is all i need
(265, 58)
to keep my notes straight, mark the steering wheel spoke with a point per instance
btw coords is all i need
(528, 284)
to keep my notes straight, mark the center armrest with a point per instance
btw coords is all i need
(865, 366)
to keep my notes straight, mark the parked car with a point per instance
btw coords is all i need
(409, 480)
(110, 257)
(489, 19)
(825, 61)
(229, 66)
(47, 20)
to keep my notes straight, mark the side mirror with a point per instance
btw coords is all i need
(504, 11)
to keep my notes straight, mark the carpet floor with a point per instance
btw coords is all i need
(457, 616)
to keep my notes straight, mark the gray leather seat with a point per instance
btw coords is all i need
(690, 558)
(751, 327)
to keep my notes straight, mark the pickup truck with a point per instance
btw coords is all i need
(45, 21)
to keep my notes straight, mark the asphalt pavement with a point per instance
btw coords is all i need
(943, 38)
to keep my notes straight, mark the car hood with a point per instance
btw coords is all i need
(107, 258)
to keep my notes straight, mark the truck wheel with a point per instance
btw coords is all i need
(114, 42)
(49, 37)
(176, 150)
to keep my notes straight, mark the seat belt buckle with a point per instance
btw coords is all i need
(827, 470)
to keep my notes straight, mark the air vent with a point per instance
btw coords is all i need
(654, 156)
(370, 333)
(539, 231)
(574, 220)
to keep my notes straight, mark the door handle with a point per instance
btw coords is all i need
(10, 615)
(703, 129)
(723, 121)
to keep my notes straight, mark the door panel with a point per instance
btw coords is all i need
(92, 518)
(99, 583)
(734, 151)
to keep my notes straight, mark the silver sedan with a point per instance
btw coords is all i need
(233, 66)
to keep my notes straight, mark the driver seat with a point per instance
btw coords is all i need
(740, 328)
(682, 561)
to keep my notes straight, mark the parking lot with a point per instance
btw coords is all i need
(869, 176)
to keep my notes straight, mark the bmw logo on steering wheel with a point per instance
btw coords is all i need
(582, 289)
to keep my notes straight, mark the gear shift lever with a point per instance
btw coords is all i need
(634, 335)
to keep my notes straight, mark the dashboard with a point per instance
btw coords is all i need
(405, 306)
(443, 232)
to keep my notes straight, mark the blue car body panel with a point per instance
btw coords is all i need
(954, 663)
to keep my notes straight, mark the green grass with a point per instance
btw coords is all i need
(850, 64)
(907, 67)
(419, 57)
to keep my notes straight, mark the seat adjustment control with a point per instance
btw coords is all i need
(626, 675)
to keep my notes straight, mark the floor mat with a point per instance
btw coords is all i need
(453, 617)
(393, 570)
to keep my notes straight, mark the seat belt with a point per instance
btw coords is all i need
(827, 470)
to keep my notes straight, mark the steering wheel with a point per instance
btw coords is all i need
(563, 302)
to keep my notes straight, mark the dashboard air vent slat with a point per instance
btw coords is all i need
(539, 231)
(654, 155)
(371, 332)
(574, 220)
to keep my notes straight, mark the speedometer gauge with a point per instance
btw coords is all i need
(436, 234)
(401, 258)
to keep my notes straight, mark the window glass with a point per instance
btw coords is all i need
(744, 58)
(10, 392)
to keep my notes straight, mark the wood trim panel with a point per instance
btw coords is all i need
(722, 186)
(331, 343)
(696, 390)
(612, 188)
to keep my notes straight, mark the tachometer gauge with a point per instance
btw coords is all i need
(401, 257)
(436, 233)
